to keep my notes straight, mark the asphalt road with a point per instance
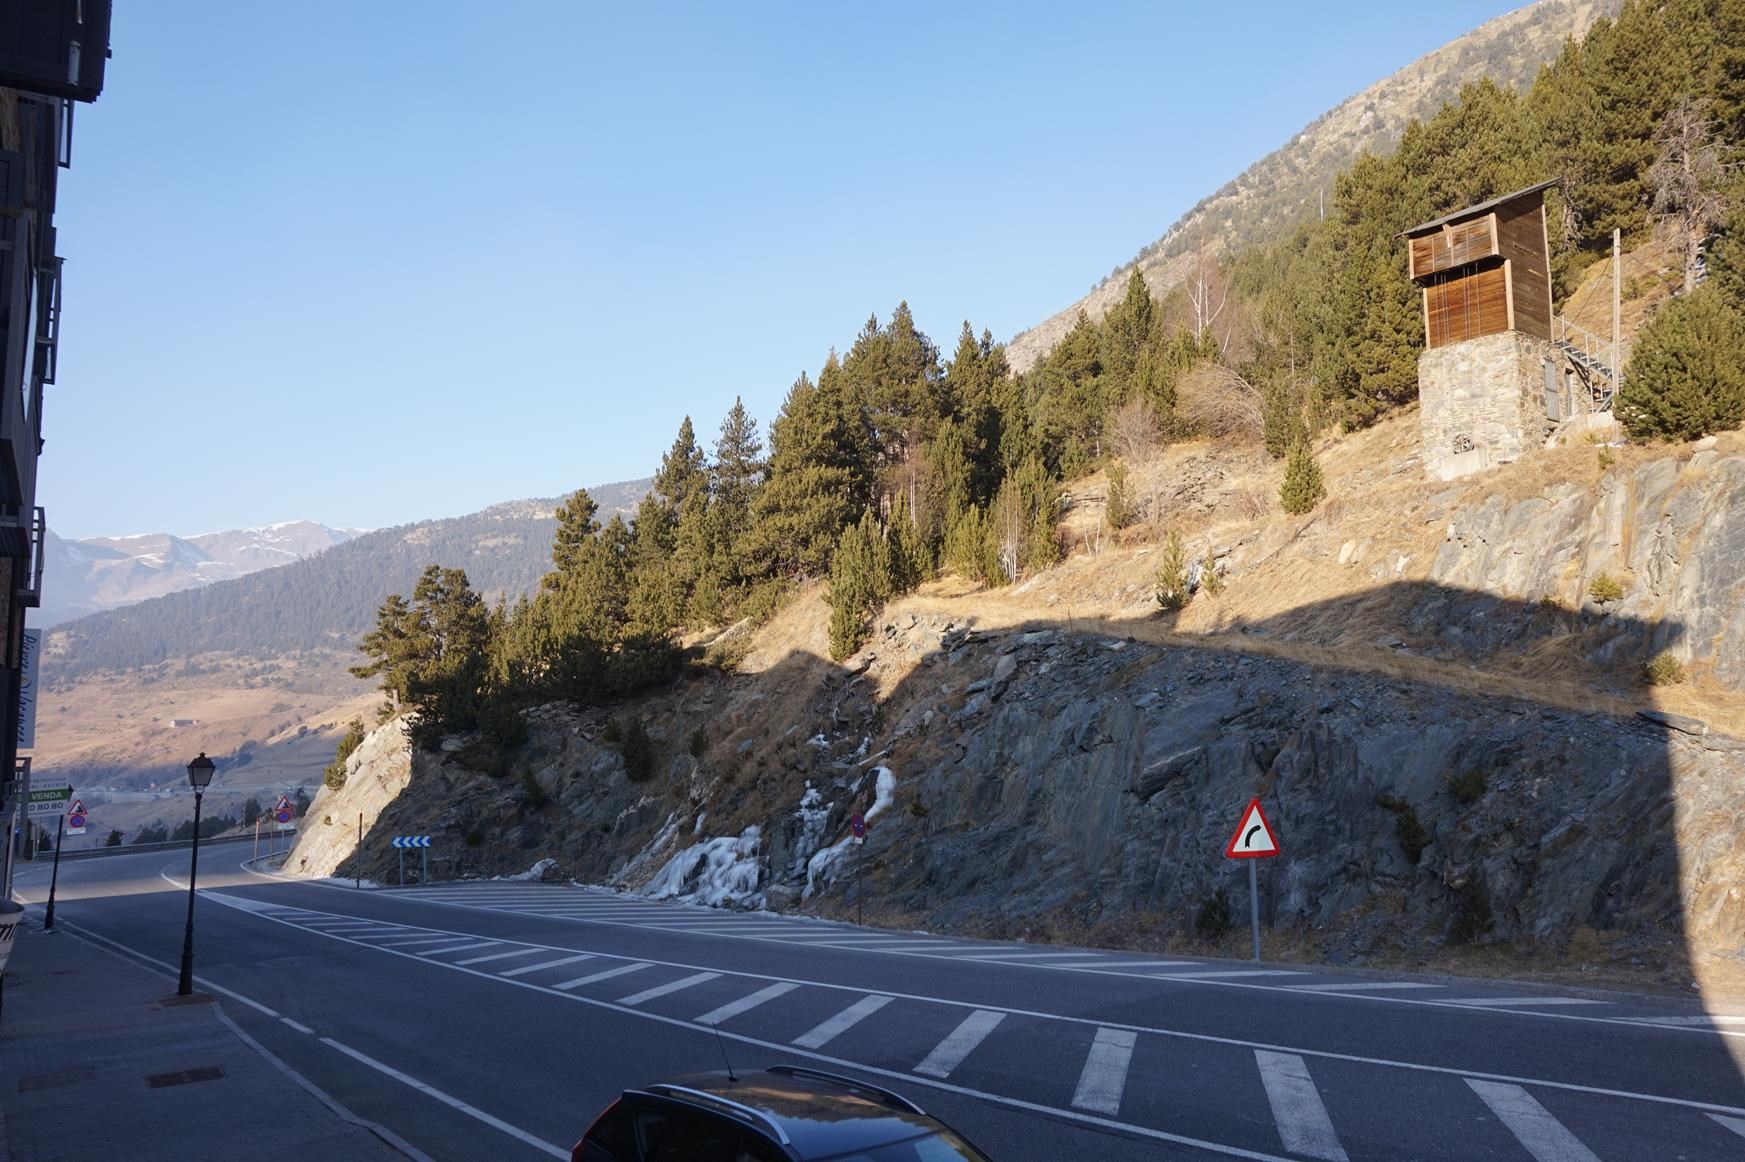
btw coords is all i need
(495, 1019)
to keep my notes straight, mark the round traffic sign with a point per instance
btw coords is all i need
(858, 826)
(282, 815)
(75, 821)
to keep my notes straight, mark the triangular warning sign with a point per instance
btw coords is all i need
(78, 807)
(284, 803)
(1254, 837)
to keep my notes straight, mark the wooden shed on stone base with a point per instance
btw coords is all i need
(1500, 369)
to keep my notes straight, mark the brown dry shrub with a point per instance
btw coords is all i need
(1214, 400)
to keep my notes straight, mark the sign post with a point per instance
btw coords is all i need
(858, 826)
(72, 823)
(1253, 840)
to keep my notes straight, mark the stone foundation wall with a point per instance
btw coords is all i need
(1481, 402)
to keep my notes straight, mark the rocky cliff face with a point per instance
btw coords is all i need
(1056, 781)
(1670, 532)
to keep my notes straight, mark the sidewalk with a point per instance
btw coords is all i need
(100, 1059)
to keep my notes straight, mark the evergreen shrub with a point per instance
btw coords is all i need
(1685, 378)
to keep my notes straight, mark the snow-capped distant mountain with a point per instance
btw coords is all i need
(98, 573)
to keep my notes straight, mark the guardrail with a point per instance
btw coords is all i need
(47, 856)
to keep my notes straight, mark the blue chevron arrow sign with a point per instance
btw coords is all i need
(411, 841)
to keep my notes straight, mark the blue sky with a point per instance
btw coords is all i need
(370, 263)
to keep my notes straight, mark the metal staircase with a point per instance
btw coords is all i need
(1588, 357)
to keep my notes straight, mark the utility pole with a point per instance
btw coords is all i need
(1617, 305)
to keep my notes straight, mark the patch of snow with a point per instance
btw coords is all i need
(669, 830)
(698, 829)
(822, 866)
(713, 873)
(818, 740)
(532, 874)
(814, 816)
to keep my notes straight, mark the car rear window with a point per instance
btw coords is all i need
(944, 1146)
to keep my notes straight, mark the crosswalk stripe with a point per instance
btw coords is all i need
(1518, 1002)
(1532, 1124)
(746, 1004)
(499, 955)
(1105, 1072)
(829, 1030)
(1115, 964)
(465, 946)
(1297, 1109)
(1373, 986)
(662, 990)
(523, 971)
(606, 975)
(1737, 1125)
(414, 942)
(960, 1043)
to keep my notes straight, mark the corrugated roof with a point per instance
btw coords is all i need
(1474, 211)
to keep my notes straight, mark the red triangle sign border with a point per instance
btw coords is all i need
(1251, 816)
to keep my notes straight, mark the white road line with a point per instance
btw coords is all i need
(746, 1004)
(409, 942)
(1303, 1124)
(1533, 1126)
(662, 990)
(1708, 1022)
(1225, 974)
(1516, 1002)
(1025, 956)
(608, 974)
(847, 1019)
(1124, 965)
(464, 946)
(298, 1025)
(452, 1102)
(1737, 1125)
(949, 1053)
(1105, 1073)
(499, 955)
(1374, 986)
(546, 964)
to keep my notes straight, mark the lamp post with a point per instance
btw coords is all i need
(199, 775)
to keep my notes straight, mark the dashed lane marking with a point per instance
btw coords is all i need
(608, 974)
(827, 1031)
(547, 964)
(1297, 1109)
(746, 1004)
(960, 1043)
(1542, 1135)
(661, 990)
(1105, 1073)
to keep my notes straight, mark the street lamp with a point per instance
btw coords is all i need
(199, 775)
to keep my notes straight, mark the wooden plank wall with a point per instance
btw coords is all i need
(1521, 240)
(1454, 246)
(1465, 304)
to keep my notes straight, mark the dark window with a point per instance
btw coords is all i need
(686, 1137)
(611, 1138)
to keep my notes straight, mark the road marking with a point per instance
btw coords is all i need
(1225, 974)
(1089, 1119)
(1105, 1072)
(298, 1025)
(1737, 1125)
(499, 955)
(1532, 1124)
(949, 1053)
(1374, 986)
(1025, 956)
(1301, 1116)
(673, 987)
(1120, 965)
(409, 942)
(746, 1004)
(546, 964)
(829, 1030)
(452, 1102)
(606, 975)
(1517, 1002)
(1710, 1022)
(465, 946)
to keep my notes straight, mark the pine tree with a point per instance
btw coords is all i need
(854, 586)
(1127, 332)
(1171, 584)
(911, 560)
(576, 531)
(1303, 487)
(683, 470)
(1115, 508)
(735, 477)
(1684, 379)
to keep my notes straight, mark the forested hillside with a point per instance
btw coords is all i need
(896, 462)
(324, 601)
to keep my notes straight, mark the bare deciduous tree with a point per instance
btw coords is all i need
(1688, 178)
(1208, 293)
(1132, 431)
(1216, 401)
